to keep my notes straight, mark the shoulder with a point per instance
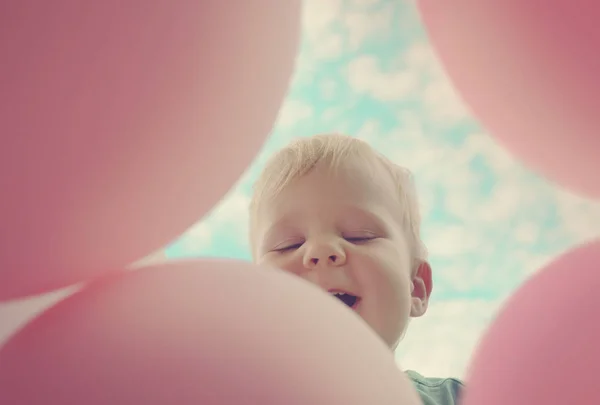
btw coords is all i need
(437, 391)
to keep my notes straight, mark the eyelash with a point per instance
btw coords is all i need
(290, 247)
(363, 239)
(351, 240)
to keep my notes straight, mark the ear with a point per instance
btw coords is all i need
(422, 285)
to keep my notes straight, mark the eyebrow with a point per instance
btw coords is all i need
(362, 214)
(274, 229)
(357, 218)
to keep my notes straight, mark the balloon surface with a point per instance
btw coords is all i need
(543, 347)
(123, 122)
(529, 72)
(200, 332)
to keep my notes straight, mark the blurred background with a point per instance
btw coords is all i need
(366, 69)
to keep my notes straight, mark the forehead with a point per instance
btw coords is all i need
(355, 187)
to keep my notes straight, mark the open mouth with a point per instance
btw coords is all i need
(350, 300)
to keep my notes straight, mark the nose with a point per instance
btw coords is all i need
(324, 253)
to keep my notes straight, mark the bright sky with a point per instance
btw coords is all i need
(367, 70)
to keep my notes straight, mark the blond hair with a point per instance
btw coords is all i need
(302, 155)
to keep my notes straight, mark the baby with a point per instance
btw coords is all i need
(333, 211)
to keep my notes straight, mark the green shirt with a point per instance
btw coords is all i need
(436, 391)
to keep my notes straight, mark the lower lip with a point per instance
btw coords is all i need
(353, 307)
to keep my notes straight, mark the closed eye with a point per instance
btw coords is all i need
(295, 246)
(288, 248)
(360, 239)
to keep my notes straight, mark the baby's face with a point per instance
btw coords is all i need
(343, 234)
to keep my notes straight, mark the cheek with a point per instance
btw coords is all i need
(285, 262)
(385, 269)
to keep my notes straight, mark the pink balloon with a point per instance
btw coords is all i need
(530, 73)
(200, 332)
(543, 347)
(124, 121)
